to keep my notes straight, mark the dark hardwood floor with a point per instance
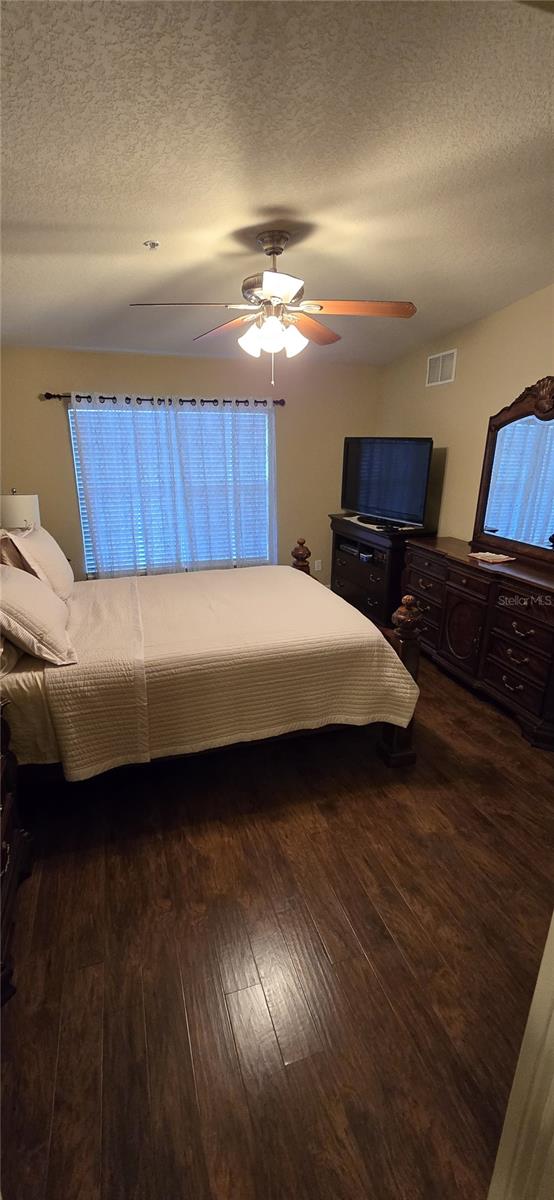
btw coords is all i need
(281, 972)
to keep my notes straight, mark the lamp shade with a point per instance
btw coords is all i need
(295, 341)
(272, 335)
(283, 287)
(250, 341)
(19, 512)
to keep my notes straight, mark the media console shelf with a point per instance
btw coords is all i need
(366, 567)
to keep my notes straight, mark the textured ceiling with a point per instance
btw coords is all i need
(405, 145)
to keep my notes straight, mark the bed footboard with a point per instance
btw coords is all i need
(396, 744)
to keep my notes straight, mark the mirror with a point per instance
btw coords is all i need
(515, 510)
(520, 504)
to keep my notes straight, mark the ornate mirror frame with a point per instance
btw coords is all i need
(538, 401)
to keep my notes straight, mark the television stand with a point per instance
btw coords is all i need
(367, 564)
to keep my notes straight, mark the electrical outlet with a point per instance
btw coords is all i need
(317, 564)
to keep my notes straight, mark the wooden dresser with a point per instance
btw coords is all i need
(492, 626)
(366, 567)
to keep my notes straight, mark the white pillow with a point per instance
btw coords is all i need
(46, 559)
(9, 656)
(33, 617)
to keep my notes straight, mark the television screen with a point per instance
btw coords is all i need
(387, 478)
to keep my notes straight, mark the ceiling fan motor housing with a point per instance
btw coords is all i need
(273, 241)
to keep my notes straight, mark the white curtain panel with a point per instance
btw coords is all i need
(172, 484)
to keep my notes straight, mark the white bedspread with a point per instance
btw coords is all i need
(171, 664)
(98, 705)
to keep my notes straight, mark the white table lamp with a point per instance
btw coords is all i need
(19, 512)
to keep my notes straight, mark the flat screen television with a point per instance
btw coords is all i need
(387, 478)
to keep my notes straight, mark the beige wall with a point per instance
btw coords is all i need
(324, 404)
(497, 358)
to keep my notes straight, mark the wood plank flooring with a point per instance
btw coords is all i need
(280, 972)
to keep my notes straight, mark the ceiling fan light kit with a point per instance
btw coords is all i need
(279, 317)
(272, 335)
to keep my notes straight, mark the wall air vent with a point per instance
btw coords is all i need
(441, 368)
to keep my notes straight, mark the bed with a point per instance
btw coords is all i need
(176, 664)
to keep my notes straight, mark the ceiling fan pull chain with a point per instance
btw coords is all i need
(272, 369)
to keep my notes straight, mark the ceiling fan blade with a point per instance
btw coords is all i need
(178, 304)
(252, 308)
(234, 324)
(314, 330)
(365, 308)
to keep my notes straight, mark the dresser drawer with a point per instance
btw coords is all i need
(372, 574)
(374, 587)
(522, 630)
(347, 587)
(372, 578)
(428, 564)
(513, 688)
(425, 585)
(468, 581)
(519, 658)
(534, 604)
(370, 582)
(347, 565)
(431, 612)
(366, 574)
(428, 634)
(372, 605)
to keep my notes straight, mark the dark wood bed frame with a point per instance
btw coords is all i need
(396, 745)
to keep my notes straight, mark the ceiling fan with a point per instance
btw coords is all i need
(276, 315)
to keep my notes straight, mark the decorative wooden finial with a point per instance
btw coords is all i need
(406, 618)
(300, 556)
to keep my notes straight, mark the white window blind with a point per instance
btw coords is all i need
(521, 494)
(173, 485)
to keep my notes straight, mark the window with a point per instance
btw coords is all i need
(172, 485)
(520, 505)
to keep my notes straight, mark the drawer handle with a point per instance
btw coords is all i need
(508, 686)
(6, 846)
(339, 583)
(463, 580)
(521, 662)
(374, 578)
(522, 632)
(425, 587)
(424, 607)
(372, 603)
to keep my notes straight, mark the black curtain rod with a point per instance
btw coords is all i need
(160, 400)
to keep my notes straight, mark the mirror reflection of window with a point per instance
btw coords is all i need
(520, 504)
